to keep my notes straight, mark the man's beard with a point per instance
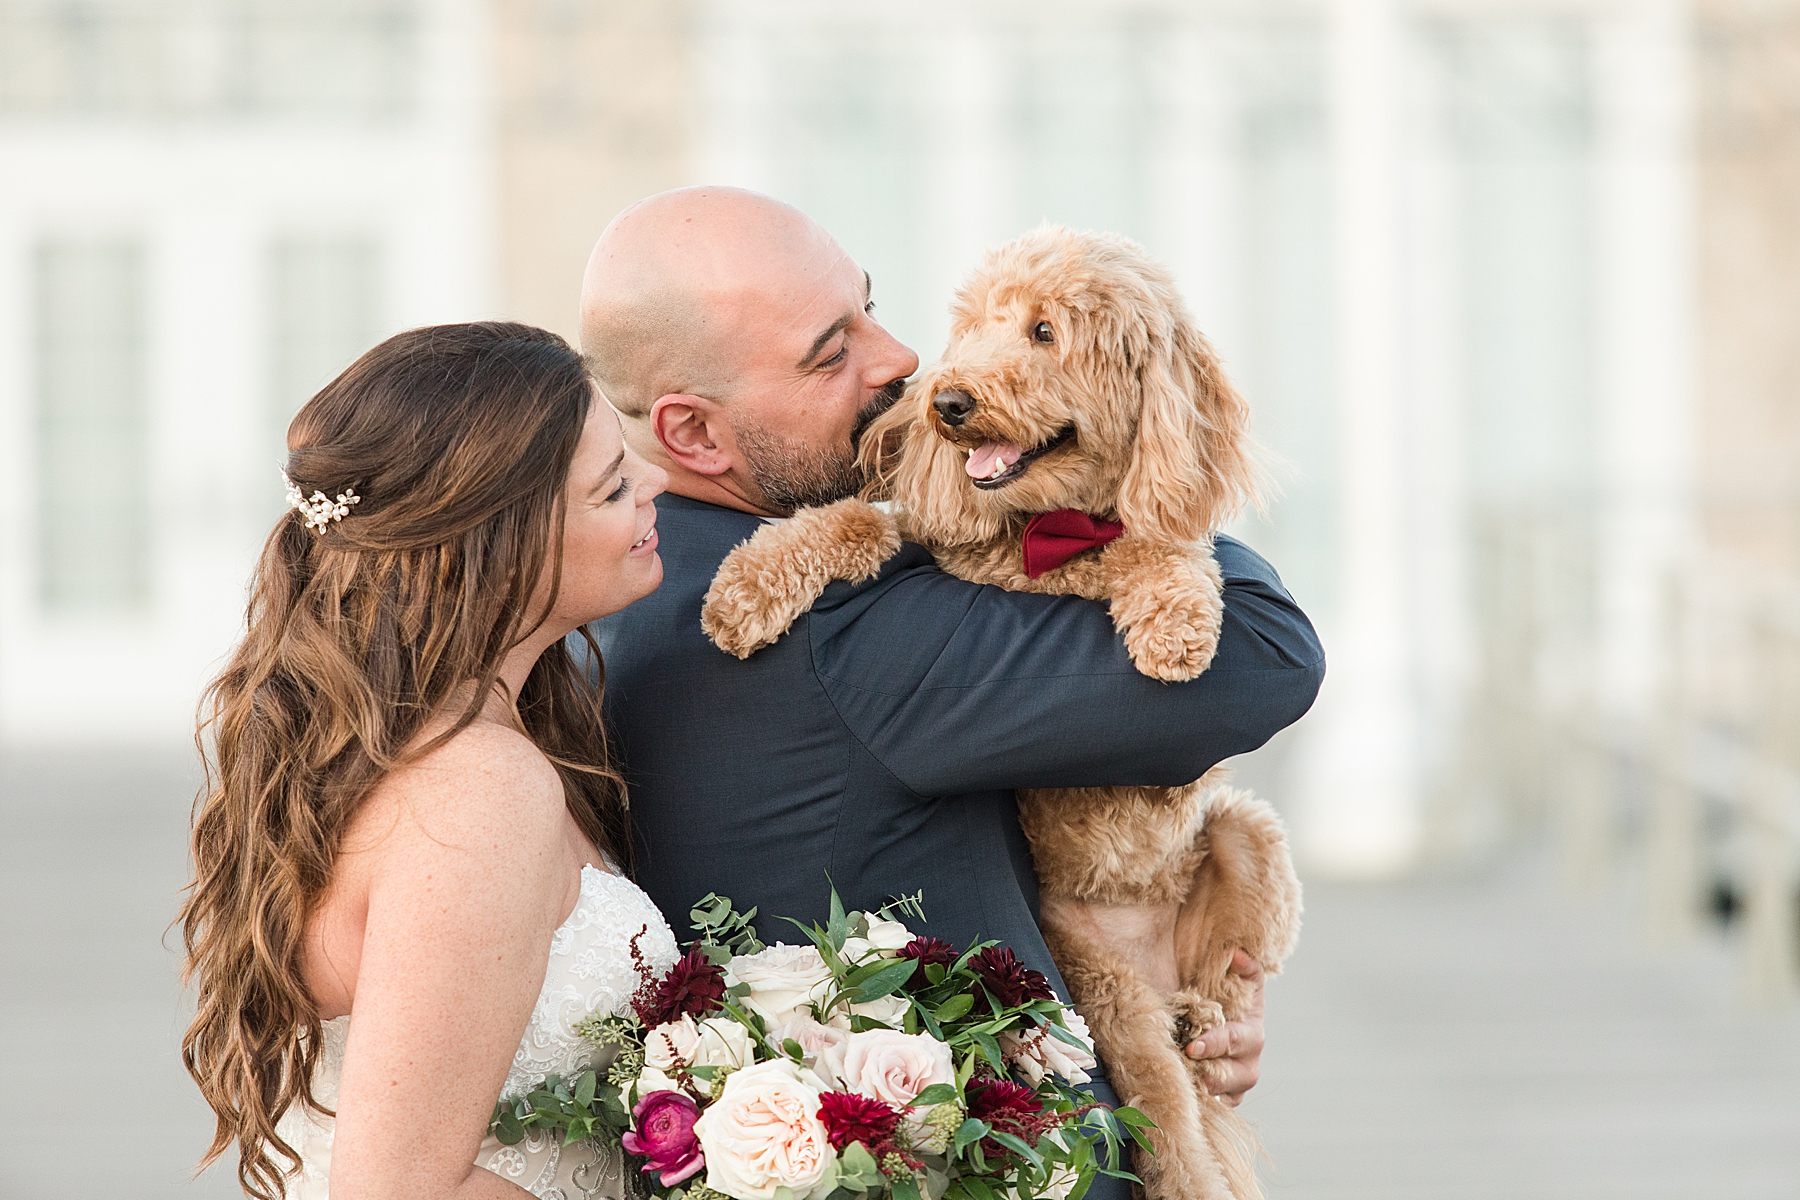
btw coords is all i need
(794, 476)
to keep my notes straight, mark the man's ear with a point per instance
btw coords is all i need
(693, 432)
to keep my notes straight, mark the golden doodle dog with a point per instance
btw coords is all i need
(1079, 437)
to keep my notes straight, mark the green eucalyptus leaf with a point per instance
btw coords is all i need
(886, 982)
(903, 1187)
(837, 928)
(1018, 1146)
(1127, 1115)
(955, 1007)
(971, 1130)
(936, 1094)
(862, 1024)
(857, 1169)
(978, 1188)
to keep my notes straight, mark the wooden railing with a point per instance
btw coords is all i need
(1699, 787)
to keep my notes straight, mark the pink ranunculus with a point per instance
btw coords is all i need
(665, 1137)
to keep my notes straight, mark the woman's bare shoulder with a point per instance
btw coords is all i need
(488, 785)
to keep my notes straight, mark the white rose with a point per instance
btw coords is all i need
(893, 1066)
(856, 950)
(1035, 1053)
(714, 1042)
(889, 1010)
(783, 980)
(884, 937)
(651, 1079)
(888, 935)
(822, 1045)
(764, 1133)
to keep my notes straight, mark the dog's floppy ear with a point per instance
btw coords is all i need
(878, 453)
(1190, 466)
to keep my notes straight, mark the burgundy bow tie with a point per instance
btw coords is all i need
(1053, 538)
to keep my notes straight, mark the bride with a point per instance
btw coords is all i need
(407, 861)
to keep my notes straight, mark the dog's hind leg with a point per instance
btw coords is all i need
(1244, 894)
(1135, 1037)
(766, 583)
(1231, 1138)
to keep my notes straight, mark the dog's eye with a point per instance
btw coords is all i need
(1043, 333)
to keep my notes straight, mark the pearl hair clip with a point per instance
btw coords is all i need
(320, 511)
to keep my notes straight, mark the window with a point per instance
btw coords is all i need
(331, 58)
(93, 504)
(323, 305)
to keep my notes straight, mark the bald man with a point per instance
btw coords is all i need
(880, 741)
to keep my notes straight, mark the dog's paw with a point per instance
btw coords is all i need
(1171, 645)
(1194, 1015)
(750, 605)
(764, 585)
(1168, 606)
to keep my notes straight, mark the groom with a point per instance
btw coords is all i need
(881, 739)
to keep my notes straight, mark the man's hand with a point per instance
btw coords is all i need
(1233, 1052)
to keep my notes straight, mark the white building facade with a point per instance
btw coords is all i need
(207, 209)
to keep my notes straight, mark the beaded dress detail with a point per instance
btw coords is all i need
(590, 971)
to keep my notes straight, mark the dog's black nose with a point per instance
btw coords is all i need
(953, 407)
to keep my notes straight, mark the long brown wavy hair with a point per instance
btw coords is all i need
(458, 440)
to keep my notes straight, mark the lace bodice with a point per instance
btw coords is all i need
(590, 970)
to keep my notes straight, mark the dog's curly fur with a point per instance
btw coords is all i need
(1145, 891)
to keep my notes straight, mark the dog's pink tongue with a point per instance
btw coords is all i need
(983, 458)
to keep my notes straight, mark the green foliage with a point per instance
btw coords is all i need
(723, 928)
(589, 1107)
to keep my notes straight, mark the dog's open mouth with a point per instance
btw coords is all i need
(996, 464)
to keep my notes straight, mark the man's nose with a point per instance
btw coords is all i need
(953, 407)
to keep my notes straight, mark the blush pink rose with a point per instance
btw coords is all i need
(764, 1133)
(822, 1046)
(893, 1066)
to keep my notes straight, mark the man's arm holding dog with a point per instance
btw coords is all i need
(960, 688)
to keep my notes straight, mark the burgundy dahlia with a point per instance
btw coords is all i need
(1010, 1108)
(1011, 981)
(692, 986)
(925, 951)
(850, 1117)
(928, 950)
(1002, 1103)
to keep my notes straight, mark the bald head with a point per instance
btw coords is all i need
(672, 281)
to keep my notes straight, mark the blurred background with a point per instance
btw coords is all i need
(1513, 287)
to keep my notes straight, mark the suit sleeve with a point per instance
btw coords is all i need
(958, 687)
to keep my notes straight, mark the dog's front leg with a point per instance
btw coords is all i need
(766, 583)
(1167, 602)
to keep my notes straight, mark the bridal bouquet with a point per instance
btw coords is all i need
(864, 1063)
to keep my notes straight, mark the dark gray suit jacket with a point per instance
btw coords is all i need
(881, 739)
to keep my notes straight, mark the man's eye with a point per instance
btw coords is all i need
(869, 309)
(837, 358)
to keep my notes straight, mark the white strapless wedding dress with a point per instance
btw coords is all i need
(590, 971)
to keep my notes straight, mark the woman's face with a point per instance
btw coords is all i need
(609, 533)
